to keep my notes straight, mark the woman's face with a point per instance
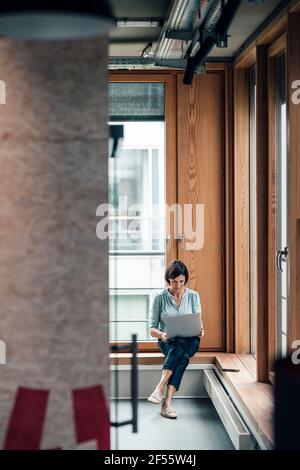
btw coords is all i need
(177, 283)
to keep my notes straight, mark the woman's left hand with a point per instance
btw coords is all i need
(202, 333)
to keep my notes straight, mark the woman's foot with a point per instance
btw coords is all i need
(157, 395)
(167, 411)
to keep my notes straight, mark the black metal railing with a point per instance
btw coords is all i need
(131, 348)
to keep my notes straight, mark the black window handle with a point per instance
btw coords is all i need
(281, 256)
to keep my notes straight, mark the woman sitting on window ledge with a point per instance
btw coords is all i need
(175, 299)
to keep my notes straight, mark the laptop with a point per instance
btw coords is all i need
(184, 325)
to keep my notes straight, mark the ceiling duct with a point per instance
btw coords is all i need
(213, 15)
(185, 17)
(209, 24)
(191, 30)
(212, 33)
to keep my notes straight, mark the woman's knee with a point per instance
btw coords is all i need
(185, 359)
(194, 346)
(173, 355)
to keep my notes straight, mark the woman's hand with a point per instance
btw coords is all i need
(164, 337)
(202, 332)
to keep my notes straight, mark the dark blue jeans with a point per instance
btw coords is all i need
(177, 352)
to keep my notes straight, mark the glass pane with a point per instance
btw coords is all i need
(281, 206)
(128, 315)
(137, 189)
(137, 208)
(130, 307)
(122, 331)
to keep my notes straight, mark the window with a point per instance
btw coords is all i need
(137, 201)
(280, 207)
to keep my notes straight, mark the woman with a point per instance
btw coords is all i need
(174, 299)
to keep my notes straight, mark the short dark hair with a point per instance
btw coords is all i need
(176, 268)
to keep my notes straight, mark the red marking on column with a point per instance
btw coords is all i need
(91, 416)
(27, 419)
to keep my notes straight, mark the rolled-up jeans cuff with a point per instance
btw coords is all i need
(168, 366)
(174, 385)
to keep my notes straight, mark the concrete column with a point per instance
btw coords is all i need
(53, 269)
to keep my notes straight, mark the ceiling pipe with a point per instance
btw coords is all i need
(197, 60)
(229, 12)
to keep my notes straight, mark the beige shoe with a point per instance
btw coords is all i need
(155, 397)
(168, 412)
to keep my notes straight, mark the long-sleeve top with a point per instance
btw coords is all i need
(164, 304)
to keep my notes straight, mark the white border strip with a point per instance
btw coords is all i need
(261, 442)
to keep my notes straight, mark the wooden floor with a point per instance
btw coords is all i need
(255, 398)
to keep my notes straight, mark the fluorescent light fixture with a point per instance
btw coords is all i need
(195, 49)
(54, 19)
(124, 23)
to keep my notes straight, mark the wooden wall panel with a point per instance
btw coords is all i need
(271, 215)
(200, 180)
(229, 211)
(241, 211)
(171, 158)
(262, 213)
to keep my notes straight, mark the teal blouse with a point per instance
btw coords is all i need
(164, 303)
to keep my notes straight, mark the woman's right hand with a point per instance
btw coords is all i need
(164, 337)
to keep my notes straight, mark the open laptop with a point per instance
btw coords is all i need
(185, 325)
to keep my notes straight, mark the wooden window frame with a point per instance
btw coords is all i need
(274, 38)
(282, 32)
(262, 212)
(257, 57)
(293, 119)
(237, 272)
(288, 42)
(169, 78)
(277, 48)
